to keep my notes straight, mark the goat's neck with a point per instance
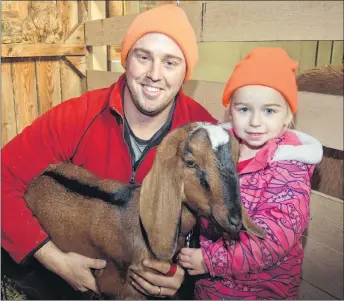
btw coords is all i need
(188, 221)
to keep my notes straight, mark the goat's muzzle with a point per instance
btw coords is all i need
(229, 215)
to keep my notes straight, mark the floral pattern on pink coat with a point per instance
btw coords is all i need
(277, 197)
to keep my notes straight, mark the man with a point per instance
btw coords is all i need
(113, 132)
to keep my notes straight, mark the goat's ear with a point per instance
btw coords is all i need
(161, 196)
(250, 226)
(235, 150)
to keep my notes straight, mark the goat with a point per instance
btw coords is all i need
(193, 175)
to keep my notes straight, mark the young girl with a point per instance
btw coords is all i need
(275, 168)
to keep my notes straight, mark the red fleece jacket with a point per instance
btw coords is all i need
(87, 131)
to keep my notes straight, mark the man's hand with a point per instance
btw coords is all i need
(154, 282)
(193, 261)
(73, 268)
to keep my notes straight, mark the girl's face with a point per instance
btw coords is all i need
(258, 114)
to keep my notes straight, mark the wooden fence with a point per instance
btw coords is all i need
(41, 65)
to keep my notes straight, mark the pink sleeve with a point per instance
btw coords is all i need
(282, 210)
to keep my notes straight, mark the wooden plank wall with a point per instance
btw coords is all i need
(38, 75)
(271, 21)
(323, 245)
(218, 67)
(216, 21)
(232, 45)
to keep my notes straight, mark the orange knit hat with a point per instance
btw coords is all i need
(170, 20)
(271, 67)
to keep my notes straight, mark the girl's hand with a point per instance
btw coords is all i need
(193, 261)
(155, 282)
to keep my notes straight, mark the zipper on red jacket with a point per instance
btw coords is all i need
(156, 142)
(147, 149)
(137, 165)
(133, 167)
(132, 179)
(131, 160)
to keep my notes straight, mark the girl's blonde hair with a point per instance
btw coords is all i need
(291, 124)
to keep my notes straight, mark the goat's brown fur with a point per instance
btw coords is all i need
(99, 229)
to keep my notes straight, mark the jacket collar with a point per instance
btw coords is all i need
(116, 95)
(309, 150)
(181, 113)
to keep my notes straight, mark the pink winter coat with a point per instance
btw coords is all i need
(275, 189)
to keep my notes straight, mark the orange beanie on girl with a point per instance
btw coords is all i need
(271, 67)
(170, 20)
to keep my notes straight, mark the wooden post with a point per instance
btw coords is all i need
(8, 120)
(49, 84)
(25, 93)
(131, 7)
(337, 53)
(115, 8)
(98, 54)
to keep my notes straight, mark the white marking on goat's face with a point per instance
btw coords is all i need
(217, 135)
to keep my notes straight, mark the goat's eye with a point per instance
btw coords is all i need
(190, 163)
